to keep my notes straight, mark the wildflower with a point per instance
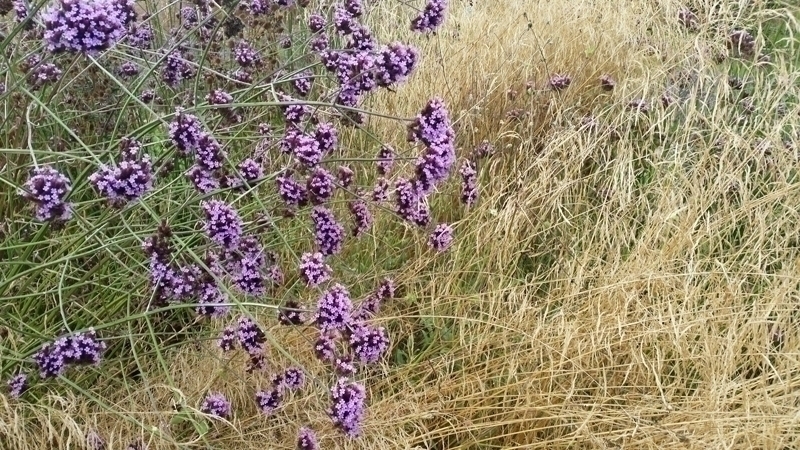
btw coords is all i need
(246, 55)
(354, 7)
(223, 224)
(560, 82)
(86, 26)
(431, 17)
(202, 179)
(77, 349)
(307, 439)
(43, 74)
(316, 23)
(293, 193)
(128, 69)
(242, 76)
(227, 339)
(607, 83)
(361, 216)
(290, 313)
(313, 269)
(326, 136)
(361, 39)
(469, 183)
(385, 160)
(411, 204)
(325, 347)
(219, 97)
(347, 408)
(208, 152)
(269, 401)
(334, 308)
(276, 274)
(147, 96)
(345, 176)
(185, 132)
(189, 17)
(48, 188)
(259, 7)
(320, 186)
(319, 43)
(343, 21)
(343, 366)
(395, 63)
(328, 233)
(305, 148)
(441, 238)
(369, 344)
(140, 35)
(292, 378)
(250, 169)
(302, 82)
(20, 10)
(95, 442)
(380, 192)
(126, 182)
(17, 385)
(294, 113)
(687, 18)
(251, 337)
(211, 300)
(248, 278)
(176, 68)
(217, 405)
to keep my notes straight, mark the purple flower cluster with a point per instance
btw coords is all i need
(369, 344)
(411, 204)
(303, 82)
(325, 347)
(43, 74)
(307, 439)
(209, 153)
(86, 26)
(246, 55)
(306, 149)
(251, 337)
(559, 82)
(227, 339)
(217, 405)
(223, 224)
(290, 313)
(395, 63)
(347, 406)
(361, 216)
(316, 23)
(334, 309)
(370, 306)
(469, 183)
(320, 185)
(292, 379)
(326, 136)
(431, 17)
(380, 192)
(185, 132)
(385, 160)
(77, 349)
(432, 127)
(128, 69)
(176, 68)
(441, 238)
(140, 35)
(291, 191)
(343, 20)
(211, 300)
(47, 188)
(17, 385)
(269, 401)
(203, 180)
(131, 178)
(248, 267)
(294, 113)
(328, 233)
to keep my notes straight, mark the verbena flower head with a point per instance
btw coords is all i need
(607, 83)
(292, 379)
(325, 347)
(560, 82)
(395, 63)
(316, 23)
(128, 69)
(290, 313)
(269, 401)
(320, 186)
(319, 43)
(250, 169)
(227, 339)
(209, 153)
(362, 218)
(189, 17)
(361, 39)
(291, 191)
(411, 204)
(326, 136)
(17, 385)
(313, 269)
(431, 17)
(217, 405)
(334, 308)
(95, 442)
(211, 300)
(20, 10)
(176, 67)
(307, 439)
(368, 343)
(343, 21)
(140, 35)
(77, 349)
(219, 97)
(251, 337)
(47, 189)
(483, 150)
(185, 132)
(432, 125)
(147, 95)
(328, 233)
(303, 82)
(128, 181)
(469, 183)
(203, 179)
(380, 192)
(344, 366)
(305, 148)
(742, 42)
(347, 406)
(345, 175)
(385, 160)
(441, 238)
(223, 224)
(639, 105)
(246, 55)
(86, 26)
(294, 113)
(354, 7)
(43, 74)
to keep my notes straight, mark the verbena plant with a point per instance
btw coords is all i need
(161, 172)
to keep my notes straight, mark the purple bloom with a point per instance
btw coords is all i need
(209, 153)
(251, 337)
(86, 26)
(246, 55)
(328, 233)
(189, 16)
(269, 401)
(327, 136)
(347, 406)
(483, 150)
(302, 82)
(469, 183)
(20, 10)
(345, 176)
(126, 182)
(316, 23)
(369, 344)
(276, 274)
(211, 300)
(343, 21)
(441, 238)
(411, 204)
(361, 39)
(361, 216)
(217, 405)
(292, 192)
(354, 7)
(219, 97)
(292, 378)
(95, 442)
(185, 132)
(249, 279)
(48, 188)
(313, 269)
(325, 347)
(250, 169)
(76, 349)
(202, 179)
(380, 193)
(259, 7)
(294, 113)
(17, 385)
(242, 76)
(128, 69)
(147, 95)
(43, 74)
(227, 339)
(305, 148)
(290, 313)
(334, 308)
(319, 43)
(432, 128)
(176, 68)
(140, 35)
(307, 439)
(223, 224)
(320, 185)
(343, 366)
(385, 160)
(431, 18)
(395, 63)
(560, 82)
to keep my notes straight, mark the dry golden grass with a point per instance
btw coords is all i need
(604, 294)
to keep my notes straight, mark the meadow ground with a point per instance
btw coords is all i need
(627, 280)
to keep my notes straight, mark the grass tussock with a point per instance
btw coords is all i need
(627, 279)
